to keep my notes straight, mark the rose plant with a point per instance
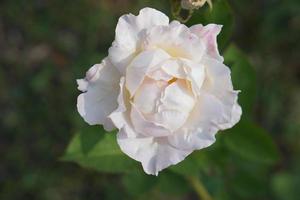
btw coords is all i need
(164, 87)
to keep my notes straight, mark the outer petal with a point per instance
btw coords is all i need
(199, 131)
(121, 116)
(129, 32)
(101, 91)
(236, 113)
(208, 34)
(155, 154)
(219, 84)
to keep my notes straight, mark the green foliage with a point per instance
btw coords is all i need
(249, 183)
(286, 186)
(172, 183)
(93, 148)
(138, 183)
(252, 142)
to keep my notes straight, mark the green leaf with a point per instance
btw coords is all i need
(172, 183)
(252, 142)
(284, 186)
(191, 165)
(249, 184)
(243, 77)
(93, 148)
(138, 183)
(221, 13)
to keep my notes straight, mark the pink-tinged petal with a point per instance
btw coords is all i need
(155, 154)
(129, 34)
(208, 34)
(99, 99)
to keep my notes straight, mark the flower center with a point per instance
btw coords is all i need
(172, 81)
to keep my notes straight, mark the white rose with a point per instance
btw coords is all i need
(163, 86)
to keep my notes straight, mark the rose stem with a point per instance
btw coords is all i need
(199, 188)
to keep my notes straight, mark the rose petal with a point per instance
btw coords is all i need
(128, 35)
(155, 154)
(236, 113)
(159, 75)
(186, 69)
(146, 97)
(174, 106)
(177, 40)
(139, 67)
(100, 98)
(218, 83)
(145, 127)
(200, 129)
(120, 116)
(174, 68)
(208, 34)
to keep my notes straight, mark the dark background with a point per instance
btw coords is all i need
(46, 44)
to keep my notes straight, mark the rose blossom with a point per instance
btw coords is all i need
(163, 86)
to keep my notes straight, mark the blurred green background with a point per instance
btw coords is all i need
(45, 45)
